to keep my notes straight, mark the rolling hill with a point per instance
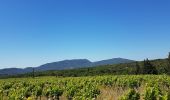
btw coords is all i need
(64, 65)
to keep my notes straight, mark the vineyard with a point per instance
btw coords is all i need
(120, 87)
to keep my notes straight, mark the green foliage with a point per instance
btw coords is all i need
(131, 95)
(148, 68)
(71, 90)
(168, 64)
(166, 96)
(153, 92)
(33, 72)
(56, 91)
(47, 91)
(37, 91)
(89, 92)
(138, 69)
(85, 88)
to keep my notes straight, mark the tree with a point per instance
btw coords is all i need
(168, 65)
(144, 68)
(33, 72)
(148, 68)
(137, 68)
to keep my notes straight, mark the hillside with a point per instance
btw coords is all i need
(63, 65)
(114, 69)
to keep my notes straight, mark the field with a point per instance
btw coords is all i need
(120, 87)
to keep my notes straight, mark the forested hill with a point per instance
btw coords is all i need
(158, 66)
(63, 65)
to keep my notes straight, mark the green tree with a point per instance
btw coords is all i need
(148, 68)
(144, 68)
(33, 72)
(137, 68)
(168, 65)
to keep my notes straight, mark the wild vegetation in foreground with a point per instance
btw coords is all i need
(120, 87)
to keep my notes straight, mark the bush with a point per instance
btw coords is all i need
(131, 95)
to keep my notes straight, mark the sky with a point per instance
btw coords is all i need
(35, 32)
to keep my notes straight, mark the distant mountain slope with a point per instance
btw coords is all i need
(112, 61)
(62, 65)
(66, 64)
(13, 71)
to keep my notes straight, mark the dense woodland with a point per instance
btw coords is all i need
(158, 66)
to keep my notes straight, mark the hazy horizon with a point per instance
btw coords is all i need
(35, 32)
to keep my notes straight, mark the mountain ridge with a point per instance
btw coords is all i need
(63, 65)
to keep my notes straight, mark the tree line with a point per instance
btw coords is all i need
(149, 68)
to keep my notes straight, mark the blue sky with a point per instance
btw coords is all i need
(34, 32)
